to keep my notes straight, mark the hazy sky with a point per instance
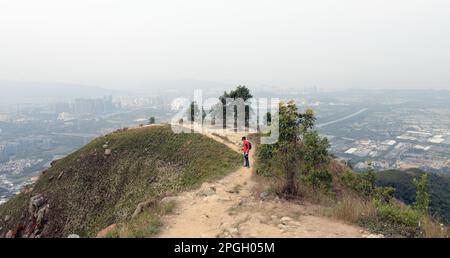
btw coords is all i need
(116, 44)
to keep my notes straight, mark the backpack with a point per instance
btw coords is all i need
(249, 145)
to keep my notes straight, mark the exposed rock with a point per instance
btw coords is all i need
(375, 236)
(108, 152)
(263, 195)
(105, 146)
(38, 209)
(208, 191)
(9, 234)
(141, 207)
(34, 234)
(151, 179)
(41, 214)
(168, 199)
(285, 219)
(104, 232)
(37, 200)
(234, 190)
(7, 218)
(282, 226)
(35, 203)
(53, 163)
(233, 231)
(73, 236)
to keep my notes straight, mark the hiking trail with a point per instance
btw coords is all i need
(232, 207)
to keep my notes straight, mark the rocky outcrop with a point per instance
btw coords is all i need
(108, 150)
(9, 234)
(104, 232)
(37, 209)
(142, 206)
(88, 190)
(374, 236)
(207, 190)
(33, 221)
(168, 199)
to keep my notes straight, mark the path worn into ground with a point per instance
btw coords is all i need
(231, 207)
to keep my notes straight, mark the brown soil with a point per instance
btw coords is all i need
(232, 207)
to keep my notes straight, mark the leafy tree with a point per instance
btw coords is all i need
(370, 176)
(366, 186)
(315, 150)
(299, 150)
(438, 185)
(151, 120)
(285, 154)
(307, 120)
(242, 92)
(422, 196)
(315, 157)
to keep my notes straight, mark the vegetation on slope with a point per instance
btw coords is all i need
(92, 188)
(303, 169)
(402, 181)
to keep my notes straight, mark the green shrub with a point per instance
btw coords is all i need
(422, 196)
(357, 182)
(392, 220)
(398, 215)
(264, 154)
(319, 178)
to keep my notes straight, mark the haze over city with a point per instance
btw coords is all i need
(120, 45)
(210, 119)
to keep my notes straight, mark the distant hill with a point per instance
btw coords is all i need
(103, 182)
(28, 92)
(438, 184)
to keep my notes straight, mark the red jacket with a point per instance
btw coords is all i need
(246, 147)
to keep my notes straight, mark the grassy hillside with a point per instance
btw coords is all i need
(438, 187)
(89, 189)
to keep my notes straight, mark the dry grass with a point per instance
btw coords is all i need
(351, 209)
(147, 224)
(394, 220)
(316, 196)
(432, 229)
(223, 137)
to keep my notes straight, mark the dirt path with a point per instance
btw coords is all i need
(231, 208)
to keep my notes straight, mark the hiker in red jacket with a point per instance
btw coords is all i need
(246, 147)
